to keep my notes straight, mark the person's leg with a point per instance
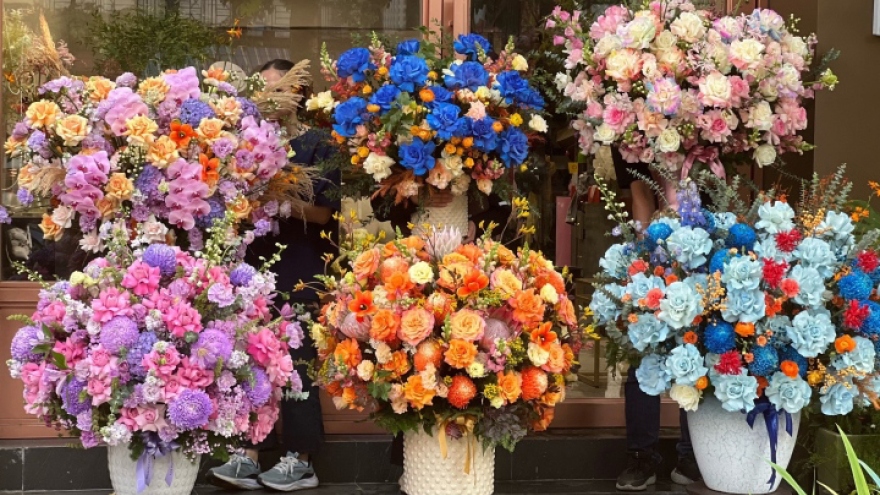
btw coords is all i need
(642, 434)
(643, 203)
(686, 471)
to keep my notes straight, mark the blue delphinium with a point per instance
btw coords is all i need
(838, 399)
(690, 209)
(685, 365)
(354, 63)
(444, 119)
(409, 72)
(647, 331)
(470, 75)
(466, 44)
(652, 375)
(513, 147)
(811, 332)
(736, 392)
(719, 336)
(765, 362)
(857, 285)
(788, 394)
(418, 156)
(741, 236)
(348, 115)
(385, 96)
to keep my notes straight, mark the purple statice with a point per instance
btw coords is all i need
(136, 353)
(222, 148)
(271, 208)
(20, 131)
(127, 80)
(222, 295)
(258, 388)
(212, 346)
(148, 182)
(140, 213)
(88, 223)
(74, 401)
(689, 206)
(190, 410)
(121, 332)
(4, 215)
(161, 256)
(262, 227)
(193, 111)
(242, 275)
(24, 197)
(249, 109)
(24, 342)
(218, 210)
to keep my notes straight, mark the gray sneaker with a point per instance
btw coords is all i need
(290, 474)
(239, 473)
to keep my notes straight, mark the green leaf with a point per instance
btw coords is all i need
(789, 478)
(60, 360)
(871, 473)
(858, 475)
(41, 349)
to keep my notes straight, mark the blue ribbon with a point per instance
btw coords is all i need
(153, 449)
(771, 421)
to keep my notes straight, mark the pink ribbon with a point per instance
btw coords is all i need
(703, 154)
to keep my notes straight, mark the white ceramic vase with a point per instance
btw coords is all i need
(733, 457)
(426, 472)
(455, 214)
(123, 473)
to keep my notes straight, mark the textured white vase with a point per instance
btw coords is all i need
(733, 457)
(426, 472)
(455, 214)
(123, 473)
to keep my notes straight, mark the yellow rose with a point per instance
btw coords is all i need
(26, 176)
(119, 187)
(140, 130)
(163, 152)
(153, 89)
(467, 325)
(210, 130)
(42, 114)
(72, 129)
(421, 273)
(241, 207)
(51, 230)
(505, 282)
(107, 206)
(229, 108)
(99, 87)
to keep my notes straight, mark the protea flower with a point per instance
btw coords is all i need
(440, 242)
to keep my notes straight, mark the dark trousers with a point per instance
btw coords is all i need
(643, 421)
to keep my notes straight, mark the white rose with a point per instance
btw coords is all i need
(670, 59)
(153, 231)
(537, 355)
(453, 163)
(421, 273)
(665, 41)
(605, 134)
(746, 54)
(669, 140)
(796, 45)
(607, 44)
(460, 184)
(760, 116)
(537, 123)
(688, 398)
(365, 370)
(765, 155)
(715, 90)
(649, 67)
(789, 77)
(688, 27)
(640, 32)
(497, 402)
(623, 65)
(379, 166)
(519, 63)
(562, 80)
(63, 216)
(549, 294)
(485, 186)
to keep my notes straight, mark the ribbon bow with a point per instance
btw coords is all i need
(466, 425)
(771, 420)
(153, 449)
(703, 154)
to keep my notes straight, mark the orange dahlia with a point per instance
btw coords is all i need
(534, 383)
(461, 391)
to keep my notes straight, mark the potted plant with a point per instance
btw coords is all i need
(861, 428)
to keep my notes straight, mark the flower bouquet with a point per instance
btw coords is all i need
(155, 351)
(414, 121)
(755, 309)
(166, 152)
(673, 86)
(470, 341)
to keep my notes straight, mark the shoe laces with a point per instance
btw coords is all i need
(286, 465)
(237, 460)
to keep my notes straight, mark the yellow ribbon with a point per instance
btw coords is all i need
(466, 425)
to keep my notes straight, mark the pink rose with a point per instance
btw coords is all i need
(73, 353)
(193, 376)
(110, 303)
(262, 346)
(163, 364)
(172, 388)
(267, 414)
(594, 110)
(100, 391)
(141, 278)
(181, 319)
(53, 313)
(280, 369)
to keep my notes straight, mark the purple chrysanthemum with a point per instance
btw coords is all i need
(121, 332)
(212, 346)
(258, 389)
(148, 182)
(136, 353)
(190, 410)
(74, 402)
(127, 79)
(193, 111)
(161, 256)
(218, 210)
(249, 109)
(242, 275)
(24, 342)
(24, 197)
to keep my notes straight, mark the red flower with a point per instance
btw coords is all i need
(362, 305)
(473, 282)
(855, 315)
(868, 261)
(787, 241)
(790, 287)
(729, 364)
(773, 272)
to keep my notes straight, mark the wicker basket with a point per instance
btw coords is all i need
(426, 472)
(123, 473)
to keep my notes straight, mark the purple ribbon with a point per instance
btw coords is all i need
(771, 421)
(153, 449)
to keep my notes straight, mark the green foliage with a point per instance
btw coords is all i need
(140, 42)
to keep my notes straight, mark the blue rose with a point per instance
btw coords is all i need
(779, 326)
(616, 261)
(689, 246)
(470, 75)
(861, 358)
(685, 365)
(485, 137)
(736, 392)
(418, 156)
(354, 63)
(775, 217)
(680, 305)
(838, 227)
(348, 115)
(385, 97)
(408, 47)
(604, 308)
(466, 44)
(788, 394)
(857, 285)
(672, 222)
(811, 286)
(513, 146)
(744, 305)
(444, 119)
(652, 376)
(517, 90)
(719, 337)
(838, 399)
(811, 332)
(640, 284)
(647, 331)
(742, 273)
(441, 95)
(816, 253)
(409, 71)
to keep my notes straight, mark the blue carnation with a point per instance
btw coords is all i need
(444, 119)
(657, 232)
(652, 375)
(418, 156)
(348, 115)
(485, 137)
(685, 365)
(470, 75)
(409, 71)
(384, 97)
(408, 47)
(354, 63)
(736, 392)
(765, 362)
(647, 331)
(719, 336)
(719, 259)
(513, 146)
(838, 399)
(857, 285)
(741, 236)
(789, 353)
(466, 44)
(193, 111)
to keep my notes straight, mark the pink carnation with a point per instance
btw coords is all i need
(100, 389)
(141, 278)
(280, 368)
(267, 415)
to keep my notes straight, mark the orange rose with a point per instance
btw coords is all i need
(42, 114)
(528, 308)
(51, 230)
(366, 264)
(551, 277)
(162, 152)
(414, 243)
(72, 129)
(461, 353)
(569, 357)
(565, 310)
(467, 325)
(556, 362)
(790, 368)
(415, 325)
(119, 187)
(99, 87)
(393, 265)
(551, 398)
(210, 130)
(510, 385)
(107, 206)
(241, 207)
(141, 130)
(428, 352)
(470, 251)
(154, 87)
(399, 364)
(416, 393)
(384, 326)
(227, 107)
(439, 304)
(348, 353)
(505, 282)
